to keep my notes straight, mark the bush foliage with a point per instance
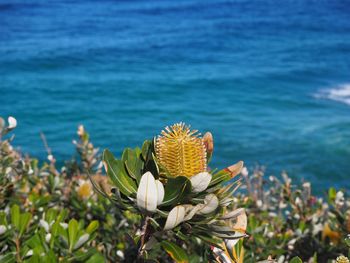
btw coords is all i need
(75, 213)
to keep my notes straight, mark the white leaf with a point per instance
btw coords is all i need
(191, 211)
(45, 225)
(147, 197)
(120, 254)
(241, 222)
(230, 243)
(160, 192)
(211, 202)
(2, 229)
(12, 122)
(175, 217)
(234, 214)
(48, 238)
(200, 182)
(222, 255)
(64, 225)
(81, 241)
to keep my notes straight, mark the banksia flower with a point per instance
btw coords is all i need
(181, 151)
(342, 259)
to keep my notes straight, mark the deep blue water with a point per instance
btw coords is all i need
(270, 79)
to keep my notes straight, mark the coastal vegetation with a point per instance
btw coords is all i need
(161, 202)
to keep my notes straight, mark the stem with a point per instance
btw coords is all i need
(18, 256)
(144, 238)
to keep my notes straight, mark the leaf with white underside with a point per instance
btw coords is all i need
(191, 211)
(200, 182)
(235, 169)
(175, 217)
(230, 243)
(226, 174)
(241, 222)
(147, 197)
(222, 255)
(211, 202)
(160, 192)
(234, 214)
(81, 241)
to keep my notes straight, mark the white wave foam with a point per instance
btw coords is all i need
(339, 93)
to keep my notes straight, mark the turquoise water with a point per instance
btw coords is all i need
(270, 79)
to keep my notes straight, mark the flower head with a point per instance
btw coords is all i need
(84, 189)
(181, 151)
(342, 259)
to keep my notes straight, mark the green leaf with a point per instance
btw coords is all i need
(116, 172)
(3, 220)
(93, 226)
(175, 189)
(24, 222)
(150, 164)
(34, 241)
(51, 215)
(133, 163)
(219, 177)
(296, 260)
(50, 257)
(145, 149)
(72, 233)
(347, 241)
(332, 193)
(96, 258)
(210, 240)
(35, 259)
(55, 228)
(175, 252)
(62, 215)
(83, 256)
(15, 216)
(8, 258)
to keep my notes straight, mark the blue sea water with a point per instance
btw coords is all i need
(270, 79)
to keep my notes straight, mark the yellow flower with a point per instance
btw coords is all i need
(333, 236)
(181, 151)
(342, 259)
(84, 189)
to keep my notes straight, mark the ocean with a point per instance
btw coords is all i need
(270, 79)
